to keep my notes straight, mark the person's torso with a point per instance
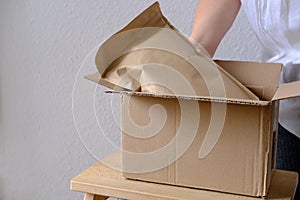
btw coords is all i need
(277, 25)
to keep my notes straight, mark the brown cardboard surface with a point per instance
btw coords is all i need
(102, 180)
(280, 184)
(287, 90)
(182, 124)
(238, 163)
(192, 98)
(262, 79)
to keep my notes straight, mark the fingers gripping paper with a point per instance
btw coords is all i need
(150, 55)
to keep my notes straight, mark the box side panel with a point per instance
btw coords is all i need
(238, 162)
(235, 163)
(275, 121)
(144, 134)
(271, 164)
(266, 148)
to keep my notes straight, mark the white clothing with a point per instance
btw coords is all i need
(277, 25)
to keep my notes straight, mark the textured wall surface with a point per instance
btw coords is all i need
(45, 45)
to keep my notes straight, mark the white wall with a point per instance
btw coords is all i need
(42, 46)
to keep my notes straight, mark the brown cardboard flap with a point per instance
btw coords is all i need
(96, 78)
(287, 90)
(253, 73)
(261, 78)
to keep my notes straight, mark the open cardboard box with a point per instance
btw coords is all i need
(217, 132)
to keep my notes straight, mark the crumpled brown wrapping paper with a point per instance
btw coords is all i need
(150, 55)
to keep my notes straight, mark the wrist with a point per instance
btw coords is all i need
(198, 46)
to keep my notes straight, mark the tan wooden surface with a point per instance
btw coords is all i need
(106, 182)
(88, 196)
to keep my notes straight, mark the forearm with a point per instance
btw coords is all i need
(212, 20)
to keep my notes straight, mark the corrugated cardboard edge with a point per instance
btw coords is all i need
(95, 77)
(194, 98)
(287, 90)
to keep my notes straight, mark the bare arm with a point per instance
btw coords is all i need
(213, 19)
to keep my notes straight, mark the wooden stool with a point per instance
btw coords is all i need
(100, 182)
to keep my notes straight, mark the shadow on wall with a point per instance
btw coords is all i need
(1, 128)
(1, 188)
(1, 123)
(1, 140)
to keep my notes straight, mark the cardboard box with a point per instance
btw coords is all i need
(102, 180)
(211, 134)
(241, 160)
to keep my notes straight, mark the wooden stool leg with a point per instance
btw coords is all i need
(97, 197)
(88, 196)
